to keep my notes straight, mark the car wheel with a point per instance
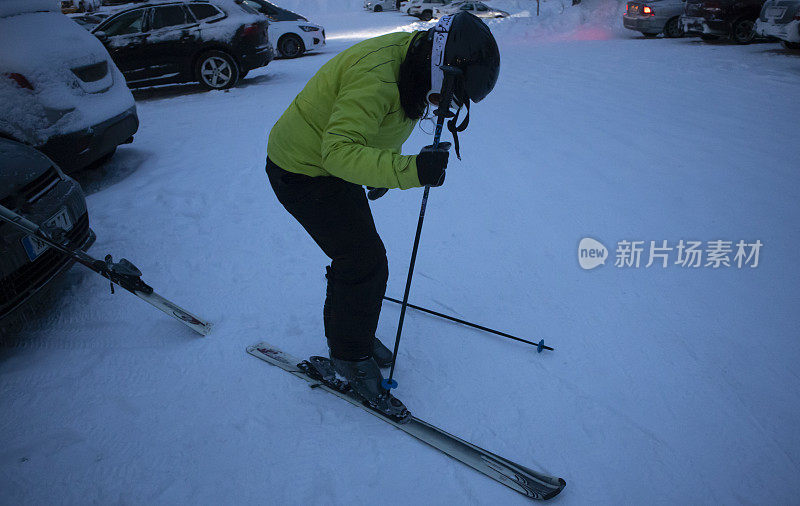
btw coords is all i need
(709, 38)
(742, 32)
(426, 15)
(291, 46)
(673, 28)
(791, 45)
(378, 8)
(216, 70)
(650, 35)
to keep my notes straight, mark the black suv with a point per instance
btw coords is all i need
(215, 44)
(32, 185)
(715, 19)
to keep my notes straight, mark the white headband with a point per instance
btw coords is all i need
(440, 32)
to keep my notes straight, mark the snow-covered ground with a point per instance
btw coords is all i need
(667, 386)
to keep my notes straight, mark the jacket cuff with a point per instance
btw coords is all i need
(407, 176)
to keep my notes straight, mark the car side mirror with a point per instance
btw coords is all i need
(101, 36)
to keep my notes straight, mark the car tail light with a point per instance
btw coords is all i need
(21, 80)
(255, 32)
(648, 10)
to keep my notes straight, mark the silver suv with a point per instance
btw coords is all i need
(655, 17)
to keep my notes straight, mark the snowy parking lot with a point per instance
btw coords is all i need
(668, 385)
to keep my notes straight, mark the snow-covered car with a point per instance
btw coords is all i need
(652, 18)
(479, 9)
(33, 184)
(290, 34)
(424, 9)
(780, 19)
(215, 43)
(726, 19)
(405, 6)
(60, 91)
(381, 5)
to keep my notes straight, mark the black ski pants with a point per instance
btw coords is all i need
(336, 214)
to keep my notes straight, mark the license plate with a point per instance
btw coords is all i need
(775, 12)
(34, 246)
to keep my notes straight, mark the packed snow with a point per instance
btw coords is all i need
(672, 385)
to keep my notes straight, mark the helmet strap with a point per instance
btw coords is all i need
(451, 125)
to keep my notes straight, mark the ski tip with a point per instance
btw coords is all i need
(555, 492)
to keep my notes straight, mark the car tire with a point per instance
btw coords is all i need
(742, 31)
(378, 8)
(426, 15)
(291, 46)
(217, 70)
(673, 29)
(791, 45)
(650, 35)
(709, 38)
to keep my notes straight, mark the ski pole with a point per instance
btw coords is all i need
(539, 346)
(442, 112)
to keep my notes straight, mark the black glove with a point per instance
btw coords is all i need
(431, 164)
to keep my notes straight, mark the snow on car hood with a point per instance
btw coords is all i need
(43, 41)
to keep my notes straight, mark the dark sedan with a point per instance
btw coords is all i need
(32, 185)
(215, 44)
(722, 19)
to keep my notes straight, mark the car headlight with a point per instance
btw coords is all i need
(308, 28)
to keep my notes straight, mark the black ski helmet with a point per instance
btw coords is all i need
(470, 46)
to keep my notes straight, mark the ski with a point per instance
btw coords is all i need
(526, 481)
(122, 273)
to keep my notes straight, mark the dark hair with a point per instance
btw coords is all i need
(415, 77)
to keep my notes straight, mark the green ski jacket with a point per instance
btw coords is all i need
(347, 122)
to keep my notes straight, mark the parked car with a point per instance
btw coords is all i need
(653, 18)
(88, 21)
(290, 34)
(214, 43)
(479, 9)
(60, 91)
(31, 184)
(714, 19)
(423, 9)
(381, 5)
(780, 19)
(405, 6)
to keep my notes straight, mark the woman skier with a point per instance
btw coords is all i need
(344, 130)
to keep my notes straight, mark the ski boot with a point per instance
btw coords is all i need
(365, 378)
(382, 355)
